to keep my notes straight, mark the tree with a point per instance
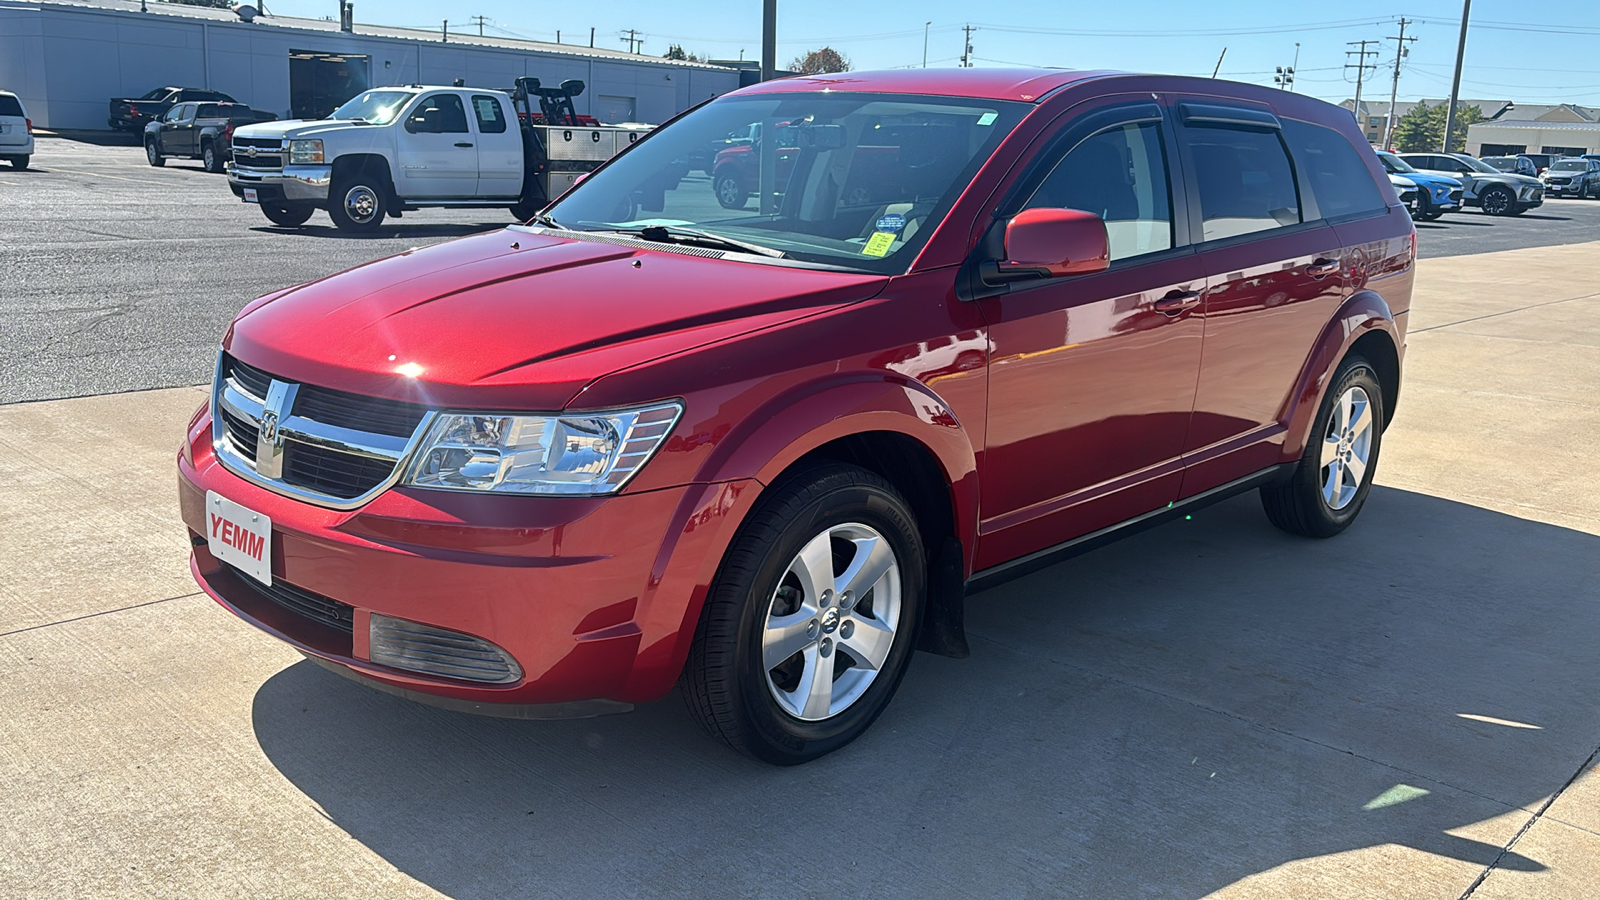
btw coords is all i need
(676, 51)
(1422, 128)
(819, 62)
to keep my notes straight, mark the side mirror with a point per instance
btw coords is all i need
(1051, 243)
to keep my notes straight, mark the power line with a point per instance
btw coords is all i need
(479, 20)
(633, 39)
(1360, 65)
(1400, 53)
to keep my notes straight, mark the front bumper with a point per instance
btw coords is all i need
(291, 184)
(595, 598)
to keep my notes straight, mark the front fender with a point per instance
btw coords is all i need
(1365, 312)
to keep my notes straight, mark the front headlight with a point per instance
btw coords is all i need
(585, 453)
(303, 153)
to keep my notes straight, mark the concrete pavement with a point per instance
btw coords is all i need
(1210, 707)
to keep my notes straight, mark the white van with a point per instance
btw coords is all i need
(16, 131)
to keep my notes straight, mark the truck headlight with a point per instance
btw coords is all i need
(582, 453)
(302, 153)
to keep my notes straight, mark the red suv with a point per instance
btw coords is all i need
(643, 439)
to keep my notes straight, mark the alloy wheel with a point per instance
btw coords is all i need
(1346, 448)
(831, 622)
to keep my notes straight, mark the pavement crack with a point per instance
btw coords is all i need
(1537, 815)
(1504, 312)
(96, 615)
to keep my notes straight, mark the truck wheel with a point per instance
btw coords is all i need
(356, 203)
(1499, 201)
(288, 216)
(1331, 483)
(210, 157)
(730, 190)
(812, 619)
(153, 155)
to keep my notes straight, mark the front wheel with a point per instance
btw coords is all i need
(356, 203)
(1499, 201)
(1331, 483)
(288, 216)
(153, 154)
(812, 618)
(730, 191)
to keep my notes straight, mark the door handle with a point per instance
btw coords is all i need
(1322, 268)
(1176, 302)
(463, 143)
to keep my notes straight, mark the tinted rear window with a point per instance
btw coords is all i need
(10, 107)
(1340, 179)
(1246, 184)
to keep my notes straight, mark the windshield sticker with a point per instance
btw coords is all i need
(988, 118)
(892, 222)
(878, 244)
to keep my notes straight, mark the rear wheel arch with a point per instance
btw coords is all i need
(1364, 325)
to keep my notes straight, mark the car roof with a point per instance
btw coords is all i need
(1027, 84)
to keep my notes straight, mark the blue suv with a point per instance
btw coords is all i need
(1436, 194)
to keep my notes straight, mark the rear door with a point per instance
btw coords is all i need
(437, 154)
(500, 161)
(1274, 279)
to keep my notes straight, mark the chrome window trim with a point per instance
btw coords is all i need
(225, 392)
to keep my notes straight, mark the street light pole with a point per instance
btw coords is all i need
(1455, 84)
(925, 27)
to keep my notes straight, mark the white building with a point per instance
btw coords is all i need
(1511, 138)
(68, 58)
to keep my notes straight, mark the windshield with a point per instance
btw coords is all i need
(857, 180)
(1476, 165)
(1569, 165)
(1394, 163)
(156, 94)
(376, 107)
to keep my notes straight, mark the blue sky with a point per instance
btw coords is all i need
(1512, 51)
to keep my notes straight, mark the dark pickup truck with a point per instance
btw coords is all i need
(134, 113)
(202, 131)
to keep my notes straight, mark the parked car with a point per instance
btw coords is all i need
(735, 173)
(16, 131)
(1437, 194)
(559, 468)
(202, 131)
(1517, 165)
(1577, 177)
(1495, 192)
(134, 113)
(1541, 161)
(395, 149)
(1406, 189)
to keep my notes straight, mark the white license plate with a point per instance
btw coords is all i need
(239, 536)
(250, 196)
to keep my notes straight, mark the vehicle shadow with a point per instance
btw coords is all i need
(387, 232)
(1163, 717)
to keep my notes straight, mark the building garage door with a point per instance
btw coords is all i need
(320, 82)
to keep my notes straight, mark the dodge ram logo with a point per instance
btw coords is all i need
(269, 428)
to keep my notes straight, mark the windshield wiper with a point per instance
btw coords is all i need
(546, 221)
(677, 234)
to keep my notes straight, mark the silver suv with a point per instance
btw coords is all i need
(1498, 193)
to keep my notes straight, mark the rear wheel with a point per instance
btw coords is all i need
(210, 157)
(19, 162)
(1330, 485)
(153, 154)
(1499, 201)
(812, 619)
(288, 216)
(357, 203)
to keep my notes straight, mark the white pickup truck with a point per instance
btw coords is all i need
(391, 150)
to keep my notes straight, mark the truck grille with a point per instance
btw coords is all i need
(268, 152)
(332, 447)
(303, 603)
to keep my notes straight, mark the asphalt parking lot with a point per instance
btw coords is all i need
(1208, 708)
(120, 276)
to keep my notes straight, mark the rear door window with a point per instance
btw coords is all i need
(1120, 175)
(1340, 180)
(10, 107)
(491, 118)
(1245, 181)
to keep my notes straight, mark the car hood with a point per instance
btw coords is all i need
(296, 128)
(1429, 178)
(519, 320)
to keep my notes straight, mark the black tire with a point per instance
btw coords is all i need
(524, 211)
(1424, 208)
(358, 202)
(210, 158)
(1298, 504)
(1583, 191)
(152, 155)
(730, 190)
(19, 162)
(726, 683)
(1498, 200)
(288, 216)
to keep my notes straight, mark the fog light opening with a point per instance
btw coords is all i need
(425, 649)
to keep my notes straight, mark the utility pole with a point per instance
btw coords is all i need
(632, 39)
(479, 20)
(446, 33)
(1360, 65)
(966, 52)
(769, 49)
(1400, 53)
(1455, 83)
(925, 26)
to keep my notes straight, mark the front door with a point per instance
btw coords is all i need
(500, 162)
(177, 131)
(1092, 378)
(438, 154)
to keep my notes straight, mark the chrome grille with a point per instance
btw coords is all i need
(324, 446)
(268, 152)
